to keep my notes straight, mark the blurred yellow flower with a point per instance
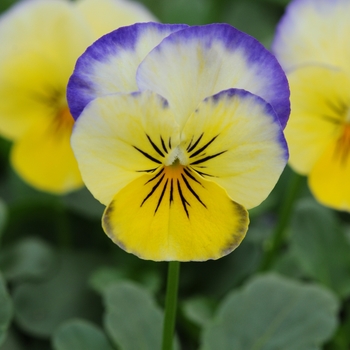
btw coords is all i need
(168, 137)
(40, 42)
(313, 45)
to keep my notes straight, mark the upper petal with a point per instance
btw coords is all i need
(198, 62)
(119, 138)
(320, 98)
(314, 31)
(104, 16)
(235, 140)
(40, 42)
(110, 64)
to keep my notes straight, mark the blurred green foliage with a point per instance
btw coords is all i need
(65, 286)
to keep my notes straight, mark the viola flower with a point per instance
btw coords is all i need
(313, 45)
(40, 42)
(179, 130)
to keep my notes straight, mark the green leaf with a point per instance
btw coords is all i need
(132, 319)
(273, 313)
(28, 258)
(199, 310)
(320, 246)
(43, 306)
(105, 276)
(5, 310)
(3, 216)
(80, 335)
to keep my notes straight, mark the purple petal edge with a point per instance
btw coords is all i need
(122, 39)
(255, 53)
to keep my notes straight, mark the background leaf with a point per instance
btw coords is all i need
(80, 335)
(320, 246)
(132, 319)
(273, 313)
(5, 310)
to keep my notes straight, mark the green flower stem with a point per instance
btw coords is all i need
(284, 216)
(170, 305)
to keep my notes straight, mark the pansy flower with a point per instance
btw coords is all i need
(179, 130)
(313, 45)
(40, 42)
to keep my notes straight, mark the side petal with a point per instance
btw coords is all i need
(329, 178)
(110, 64)
(169, 219)
(104, 16)
(43, 156)
(314, 31)
(119, 138)
(235, 140)
(198, 62)
(320, 100)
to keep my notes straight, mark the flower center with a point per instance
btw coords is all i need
(343, 144)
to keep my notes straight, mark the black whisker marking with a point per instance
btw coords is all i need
(196, 143)
(155, 146)
(147, 171)
(192, 190)
(204, 147)
(189, 144)
(155, 176)
(204, 174)
(171, 199)
(163, 145)
(207, 158)
(183, 199)
(153, 189)
(191, 176)
(148, 156)
(169, 142)
(162, 195)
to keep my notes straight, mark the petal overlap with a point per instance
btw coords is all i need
(110, 65)
(202, 61)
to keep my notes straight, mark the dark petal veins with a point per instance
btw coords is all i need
(148, 156)
(155, 146)
(203, 148)
(192, 191)
(153, 189)
(162, 195)
(195, 144)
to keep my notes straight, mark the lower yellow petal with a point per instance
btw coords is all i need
(319, 99)
(43, 156)
(329, 178)
(174, 214)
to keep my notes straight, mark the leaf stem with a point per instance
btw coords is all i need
(284, 216)
(171, 304)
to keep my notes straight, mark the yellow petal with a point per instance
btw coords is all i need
(319, 98)
(104, 16)
(329, 178)
(40, 42)
(235, 140)
(43, 156)
(118, 138)
(175, 216)
(314, 31)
